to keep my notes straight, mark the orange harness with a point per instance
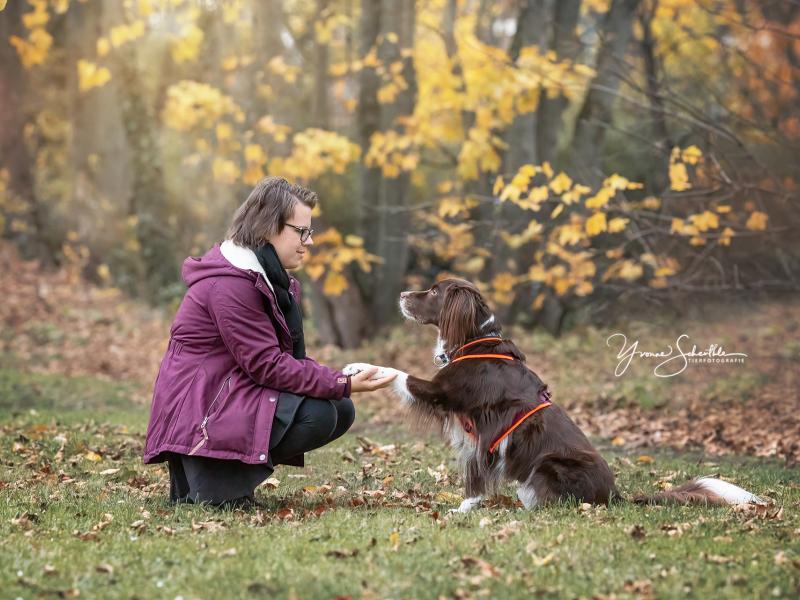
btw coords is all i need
(519, 419)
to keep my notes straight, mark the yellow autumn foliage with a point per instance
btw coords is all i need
(678, 177)
(91, 76)
(193, 104)
(705, 220)
(186, 46)
(225, 171)
(314, 152)
(596, 224)
(757, 221)
(126, 33)
(32, 50)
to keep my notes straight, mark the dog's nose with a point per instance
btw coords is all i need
(405, 294)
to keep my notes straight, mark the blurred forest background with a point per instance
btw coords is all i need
(569, 156)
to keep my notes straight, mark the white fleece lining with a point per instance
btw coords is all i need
(243, 258)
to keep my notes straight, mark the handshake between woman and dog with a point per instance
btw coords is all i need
(500, 418)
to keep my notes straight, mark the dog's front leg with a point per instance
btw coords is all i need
(475, 487)
(413, 389)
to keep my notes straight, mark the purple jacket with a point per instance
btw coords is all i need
(227, 360)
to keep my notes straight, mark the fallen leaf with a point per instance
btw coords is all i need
(25, 520)
(716, 558)
(511, 528)
(543, 561)
(448, 498)
(104, 568)
(643, 588)
(485, 568)
(92, 456)
(140, 525)
(342, 553)
(285, 514)
(207, 526)
(637, 532)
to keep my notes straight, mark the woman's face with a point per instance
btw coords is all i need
(289, 248)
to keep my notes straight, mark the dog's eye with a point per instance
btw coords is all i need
(434, 291)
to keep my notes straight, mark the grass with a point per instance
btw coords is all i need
(367, 518)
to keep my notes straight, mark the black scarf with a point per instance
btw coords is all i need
(279, 279)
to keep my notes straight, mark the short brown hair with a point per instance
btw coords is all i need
(266, 210)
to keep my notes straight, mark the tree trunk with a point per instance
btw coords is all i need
(320, 107)
(97, 130)
(368, 117)
(391, 241)
(533, 22)
(545, 133)
(341, 320)
(14, 115)
(148, 201)
(660, 132)
(595, 115)
(566, 45)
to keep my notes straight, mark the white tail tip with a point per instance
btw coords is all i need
(732, 494)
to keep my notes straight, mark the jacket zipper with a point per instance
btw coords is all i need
(204, 422)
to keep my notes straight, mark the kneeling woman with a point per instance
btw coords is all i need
(236, 393)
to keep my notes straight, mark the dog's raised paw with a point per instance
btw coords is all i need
(355, 368)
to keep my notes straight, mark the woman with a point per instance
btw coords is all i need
(236, 393)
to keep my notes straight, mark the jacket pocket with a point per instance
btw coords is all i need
(226, 386)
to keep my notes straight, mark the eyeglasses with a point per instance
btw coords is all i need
(305, 232)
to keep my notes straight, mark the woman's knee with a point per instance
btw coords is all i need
(319, 418)
(345, 414)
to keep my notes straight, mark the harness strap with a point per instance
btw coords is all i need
(479, 340)
(517, 422)
(503, 356)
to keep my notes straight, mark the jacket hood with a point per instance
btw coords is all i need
(226, 259)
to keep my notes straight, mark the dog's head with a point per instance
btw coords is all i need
(455, 306)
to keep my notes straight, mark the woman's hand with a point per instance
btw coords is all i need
(363, 382)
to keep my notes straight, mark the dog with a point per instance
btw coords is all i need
(500, 417)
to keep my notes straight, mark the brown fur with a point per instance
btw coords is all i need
(688, 493)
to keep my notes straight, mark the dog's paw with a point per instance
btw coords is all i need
(355, 368)
(467, 505)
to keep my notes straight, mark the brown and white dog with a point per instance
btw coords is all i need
(498, 414)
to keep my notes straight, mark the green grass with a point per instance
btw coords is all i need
(381, 530)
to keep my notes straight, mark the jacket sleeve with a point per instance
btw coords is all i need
(237, 309)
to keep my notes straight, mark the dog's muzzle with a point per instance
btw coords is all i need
(404, 310)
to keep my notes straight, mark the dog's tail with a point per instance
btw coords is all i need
(704, 490)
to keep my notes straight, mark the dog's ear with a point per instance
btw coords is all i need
(457, 318)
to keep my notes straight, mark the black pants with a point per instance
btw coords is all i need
(316, 422)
